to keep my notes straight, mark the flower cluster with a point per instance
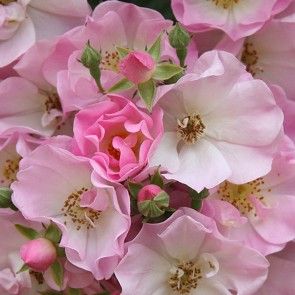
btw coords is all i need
(144, 157)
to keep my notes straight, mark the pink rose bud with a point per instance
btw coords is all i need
(138, 67)
(148, 192)
(38, 254)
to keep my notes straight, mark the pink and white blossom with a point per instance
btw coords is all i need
(92, 215)
(187, 255)
(235, 17)
(23, 22)
(219, 123)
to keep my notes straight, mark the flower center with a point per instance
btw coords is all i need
(185, 276)
(5, 2)
(190, 128)
(52, 102)
(225, 3)
(110, 61)
(80, 216)
(250, 59)
(10, 169)
(238, 195)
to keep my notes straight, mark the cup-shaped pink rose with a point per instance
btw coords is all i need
(117, 136)
(38, 254)
(148, 192)
(137, 66)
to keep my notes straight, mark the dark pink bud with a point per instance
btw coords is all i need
(38, 254)
(148, 192)
(138, 67)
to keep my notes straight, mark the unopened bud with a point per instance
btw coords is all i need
(138, 67)
(152, 201)
(38, 254)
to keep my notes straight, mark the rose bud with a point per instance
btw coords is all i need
(38, 254)
(152, 201)
(138, 67)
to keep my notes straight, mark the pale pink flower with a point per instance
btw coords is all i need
(235, 17)
(118, 137)
(282, 267)
(265, 53)
(109, 27)
(25, 108)
(248, 212)
(219, 124)
(186, 255)
(92, 215)
(22, 22)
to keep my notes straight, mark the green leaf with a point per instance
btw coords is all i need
(197, 198)
(165, 71)
(155, 50)
(28, 232)
(147, 91)
(123, 84)
(91, 59)
(122, 51)
(57, 272)
(157, 179)
(133, 189)
(53, 233)
(22, 269)
(5, 198)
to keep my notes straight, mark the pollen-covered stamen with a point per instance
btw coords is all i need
(80, 216)
(110, 61)
(190, 128)
(10, 169)
(226, 4)
(250, 59)
(239, 195)
(52, 102)
(185, 277)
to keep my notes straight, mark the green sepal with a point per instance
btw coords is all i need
(134, 189)
(179, 39)
(165, 71)
(157, 179)
(91, 59)
(197, 198)
(147, 91)
(28, 232)
(5, 198)
(52, 233)
(60, 252)
(155, 49)
(23, 268)
(122, 85)
(122, 51)
(57, 272)
(156, 207)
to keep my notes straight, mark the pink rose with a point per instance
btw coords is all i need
(138, 67)
(117, 136)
